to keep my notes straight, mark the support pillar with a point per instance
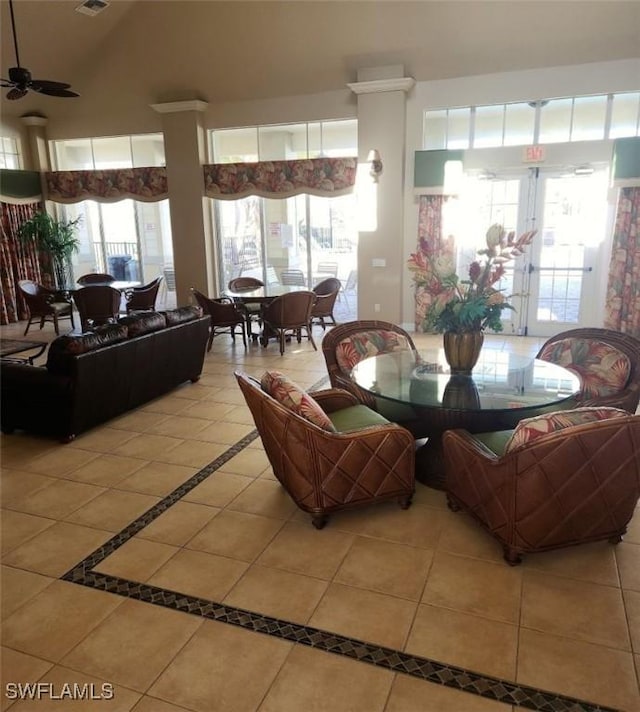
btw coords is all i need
(381, 96)
(185, 153)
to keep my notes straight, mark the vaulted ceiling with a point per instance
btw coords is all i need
(137, 52)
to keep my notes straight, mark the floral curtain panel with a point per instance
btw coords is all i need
(145, 184)
(431, 242)
(17, 261)
(622, 310)
(281, 179)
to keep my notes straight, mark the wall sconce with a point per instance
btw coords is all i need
(375, 164)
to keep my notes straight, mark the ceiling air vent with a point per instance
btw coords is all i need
(92, 7)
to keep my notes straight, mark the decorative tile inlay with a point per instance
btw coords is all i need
(395, 660)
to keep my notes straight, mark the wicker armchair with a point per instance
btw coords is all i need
(96, 278)
(250, 311)
(225, 316)
(349, 343)
(99, 304)
(607, 362)
(326, 294)
(44, 304)
(575, 485)
(144, 298)
(324, 471)
(287, 315)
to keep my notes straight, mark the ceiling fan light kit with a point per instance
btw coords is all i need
(20, 81)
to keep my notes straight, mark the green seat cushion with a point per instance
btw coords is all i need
(496, 442)
(355, 417)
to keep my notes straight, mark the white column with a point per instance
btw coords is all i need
(381, 127)
(185, 153)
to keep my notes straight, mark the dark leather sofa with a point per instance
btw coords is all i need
(93, 377)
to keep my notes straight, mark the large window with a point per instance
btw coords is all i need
(129, 239)
(262, 237)
(10, 153)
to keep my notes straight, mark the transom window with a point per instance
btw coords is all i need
(562, 120)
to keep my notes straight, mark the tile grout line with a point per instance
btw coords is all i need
(395, 660)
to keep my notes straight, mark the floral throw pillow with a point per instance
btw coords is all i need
(602, 369)
(291, 396)
(353, 349)
(532, 428)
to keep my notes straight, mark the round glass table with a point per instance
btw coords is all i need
(416, 390)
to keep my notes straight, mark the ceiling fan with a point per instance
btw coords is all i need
(20, 81)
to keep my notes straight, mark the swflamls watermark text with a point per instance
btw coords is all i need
(64, 691)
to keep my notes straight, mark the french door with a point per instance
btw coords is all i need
(554, 285)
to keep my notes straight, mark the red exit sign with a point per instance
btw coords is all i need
(533, 154)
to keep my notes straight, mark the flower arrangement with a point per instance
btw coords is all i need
(473, 304)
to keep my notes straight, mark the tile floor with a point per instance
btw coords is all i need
(425, 589)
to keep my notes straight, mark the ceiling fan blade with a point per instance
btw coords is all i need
(39, 84)
(56, 92)
(16, 93)
(6, 84)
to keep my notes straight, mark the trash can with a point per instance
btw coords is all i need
(117, 265)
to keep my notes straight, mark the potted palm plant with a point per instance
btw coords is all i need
(56, 240)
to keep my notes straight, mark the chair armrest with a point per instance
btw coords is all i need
(332, 399)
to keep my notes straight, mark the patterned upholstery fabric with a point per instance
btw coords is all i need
(532, 428)
(353, 349)
(602, 368)
(290, 395)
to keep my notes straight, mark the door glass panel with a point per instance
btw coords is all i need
(572, 223)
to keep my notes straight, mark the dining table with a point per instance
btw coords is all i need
(418, 390)
(259, 296)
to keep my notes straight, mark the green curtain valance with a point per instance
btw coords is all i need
(107, 186)
(19, 187)
(281, 179)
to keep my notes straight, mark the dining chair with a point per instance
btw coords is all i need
(326, 294)
(251, 311)
(225, 316)
(96, 278)
(239, 284)
(99, 304)
(44, 304)
(293, 277)
(606, 361)
(351, 285)
(328, 268)
(143, 298)
(288, 315)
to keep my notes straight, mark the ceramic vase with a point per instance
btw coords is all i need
(462, 350)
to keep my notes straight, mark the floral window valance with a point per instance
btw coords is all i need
(106, 186)
(281, 179)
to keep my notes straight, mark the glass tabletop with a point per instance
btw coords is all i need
(499, 381)
(265, 293)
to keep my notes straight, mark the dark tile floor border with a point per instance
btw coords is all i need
(452, 676)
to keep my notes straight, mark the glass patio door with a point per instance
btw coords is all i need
(554, 284)
(563, 269)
